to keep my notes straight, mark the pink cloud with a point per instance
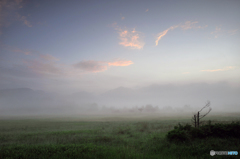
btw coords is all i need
(120, 63)
(146, 10)
(160, 35)
(44, 68)
(100, 66)
(123, 34)
(48, 65)
(133, 30)
(191, 25)
(132, 39)
(187, 25)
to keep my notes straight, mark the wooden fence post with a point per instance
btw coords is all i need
(198, 120)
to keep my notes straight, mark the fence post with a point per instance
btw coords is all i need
(198, 120)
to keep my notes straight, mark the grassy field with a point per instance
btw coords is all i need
(138, 136)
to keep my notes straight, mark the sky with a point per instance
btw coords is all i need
(95, 46)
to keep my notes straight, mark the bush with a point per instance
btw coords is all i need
(184, 133)
(177, 135)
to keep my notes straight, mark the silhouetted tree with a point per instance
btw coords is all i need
(196, 117)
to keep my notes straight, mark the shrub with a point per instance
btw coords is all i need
(177, 135)
(184, 133)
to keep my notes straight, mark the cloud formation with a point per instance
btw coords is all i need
(146, 10)
(216, 32)
(120, 63)
(48, 57)
(48, 66)
(9, 13)
(219, 31)
(24, 20)
(160, 35)
(191, 25)
(233, 32)
(223, 69)
(44, 67)
(91, 66)
(15, 49)
(132, 39)
(187, 25)
(100, 66)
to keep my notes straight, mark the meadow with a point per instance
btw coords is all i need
(110, 136)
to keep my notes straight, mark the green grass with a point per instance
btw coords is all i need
(120, 137)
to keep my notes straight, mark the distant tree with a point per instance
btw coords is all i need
(131, 110)
(149, 108)
(141, 109)
(156, 108)
(167, 109)
(135, 108)
(196, 117)
(92, 107)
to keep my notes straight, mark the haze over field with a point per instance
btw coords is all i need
(65, 57)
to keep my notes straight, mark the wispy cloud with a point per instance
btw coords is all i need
(220, 32)
(48, 57)
(160, 35)
(24, 20)
(233, 32)
(15, 49)
(187, 25)
(146, 10)
(49, 66)
(9, 12)
(223, 69)
(185, 72)
(44, 67)
(132, 39)
(100, 66)
(191, 25)
(120, 63)
(217, 31)
(123, 18)
(91, 66)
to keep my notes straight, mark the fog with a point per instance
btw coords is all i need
(154, 98)
(95, 57)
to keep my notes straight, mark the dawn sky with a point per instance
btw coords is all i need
(71, 45)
